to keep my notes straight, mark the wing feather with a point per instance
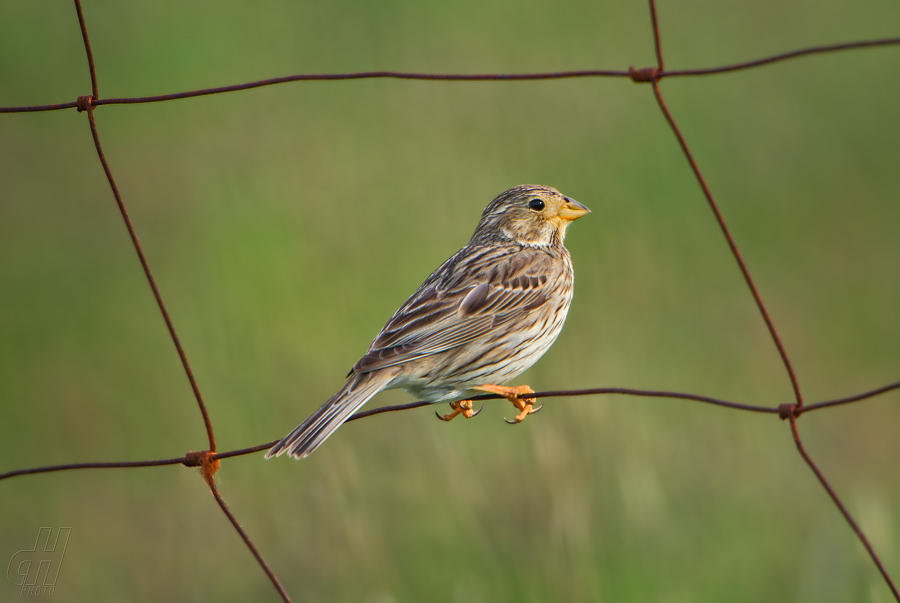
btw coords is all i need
(471, 294)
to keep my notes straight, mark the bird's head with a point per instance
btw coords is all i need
(529, 214)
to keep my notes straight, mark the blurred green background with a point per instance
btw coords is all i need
(286, 224)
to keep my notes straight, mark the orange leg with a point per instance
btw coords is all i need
(514, 395)
(463, 407)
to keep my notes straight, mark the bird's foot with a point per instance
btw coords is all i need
(514, 395)
(463, 407)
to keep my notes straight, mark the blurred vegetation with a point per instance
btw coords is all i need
(286, 224)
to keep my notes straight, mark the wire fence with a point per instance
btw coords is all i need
(208, 460)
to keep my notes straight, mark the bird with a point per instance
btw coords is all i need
(482, 318)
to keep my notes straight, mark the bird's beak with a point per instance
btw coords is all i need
(572, 210)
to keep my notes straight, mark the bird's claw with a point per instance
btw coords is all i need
(463, 407)
(517, 396)
(526, 410)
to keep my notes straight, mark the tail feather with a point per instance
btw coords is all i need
(310, 434)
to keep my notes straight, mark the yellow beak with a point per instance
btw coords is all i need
(572, 210)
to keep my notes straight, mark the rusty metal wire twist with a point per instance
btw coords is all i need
(208, 460)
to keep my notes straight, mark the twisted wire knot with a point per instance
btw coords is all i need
(83, 103)
(206, 461)
(787, 410)
(644, 74)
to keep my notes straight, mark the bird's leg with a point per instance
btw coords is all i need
(463, 407)
(514, 395)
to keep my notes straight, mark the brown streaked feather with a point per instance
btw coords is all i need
(310, 434)
(476, 291)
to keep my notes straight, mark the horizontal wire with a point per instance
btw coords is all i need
(555, 75)
(782, 57)
(184, 460)
(101, 465)
(849, 399)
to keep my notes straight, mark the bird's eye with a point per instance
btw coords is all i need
(536, 204)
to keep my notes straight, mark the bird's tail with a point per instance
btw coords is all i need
(301, 442)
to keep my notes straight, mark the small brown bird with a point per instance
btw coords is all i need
(482, 318)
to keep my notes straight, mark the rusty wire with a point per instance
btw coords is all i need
(792, 417)
(208, 460)
(189, 461)
(731, 244)
(458, 77)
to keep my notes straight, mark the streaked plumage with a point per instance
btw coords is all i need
(483, 317)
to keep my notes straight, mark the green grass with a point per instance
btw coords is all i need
(286, 224)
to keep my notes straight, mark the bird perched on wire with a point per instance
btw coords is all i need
(482, 318)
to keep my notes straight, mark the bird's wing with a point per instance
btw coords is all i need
(470, 295)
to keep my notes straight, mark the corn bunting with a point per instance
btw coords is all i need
(482, 318)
